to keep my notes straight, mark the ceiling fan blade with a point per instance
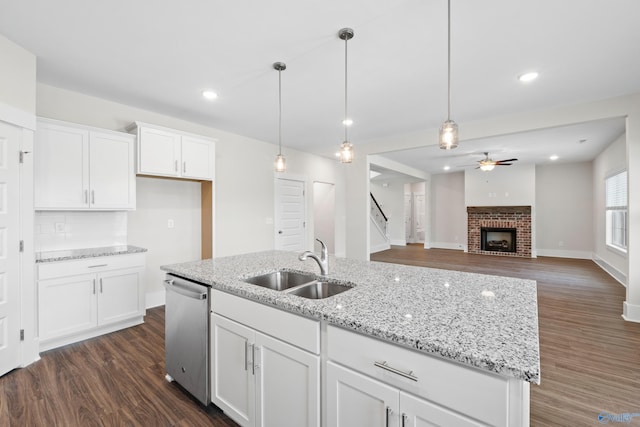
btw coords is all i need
(506, 160)
(504, 164)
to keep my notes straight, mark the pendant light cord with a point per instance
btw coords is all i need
(346, 126)
(279, 112)
(449, 60)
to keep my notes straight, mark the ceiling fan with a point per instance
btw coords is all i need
(488, 164)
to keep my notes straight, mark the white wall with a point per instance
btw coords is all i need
(324, 205)
(564, 210)
(17, 76)
(609, 162)
(390, 197)
(503, 186)
(244, 183)
(448, 211)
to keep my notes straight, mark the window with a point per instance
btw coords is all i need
(616, 211)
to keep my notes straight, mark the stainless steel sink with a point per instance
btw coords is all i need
(281, 280)
(318, 289)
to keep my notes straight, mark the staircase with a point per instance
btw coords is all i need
(379, 230)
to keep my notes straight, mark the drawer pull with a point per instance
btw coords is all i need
(386, 420)
(97, 265)
(386, 367)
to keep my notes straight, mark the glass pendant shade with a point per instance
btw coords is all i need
(448, 137)
(487, 167)
(346, 152)
(281, 163)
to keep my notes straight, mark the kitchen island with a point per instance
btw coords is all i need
(476, 335)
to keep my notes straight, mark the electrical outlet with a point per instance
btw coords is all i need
(170, 223)
(59, 227)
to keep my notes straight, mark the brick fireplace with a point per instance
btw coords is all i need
(482, 218)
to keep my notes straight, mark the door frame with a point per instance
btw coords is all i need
(308, 229)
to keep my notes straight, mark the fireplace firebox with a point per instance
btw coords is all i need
(498, 239)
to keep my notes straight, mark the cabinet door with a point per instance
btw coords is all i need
(111, 168)
(61, 167)
(158, 152)
(288, 384)
(354, 400)
(119, 295)
(416, 412)
(232, 373)
(66, 305)
(197, 158)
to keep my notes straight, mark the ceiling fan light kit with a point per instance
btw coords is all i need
(488, 164)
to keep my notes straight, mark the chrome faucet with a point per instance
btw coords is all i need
(322, 260)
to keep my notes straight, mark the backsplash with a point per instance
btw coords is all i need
(63, 230)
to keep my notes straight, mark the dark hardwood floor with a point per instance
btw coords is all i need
(590, 357)
(113, 380)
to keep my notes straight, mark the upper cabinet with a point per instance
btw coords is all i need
(82, 168)
(171, 153)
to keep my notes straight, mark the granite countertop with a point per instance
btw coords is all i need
(66, 255)
(484, 321)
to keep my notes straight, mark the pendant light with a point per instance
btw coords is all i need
(346, 149)
(448, 135)
(281, 163)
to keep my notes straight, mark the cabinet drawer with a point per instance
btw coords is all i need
(297, 330)
(48, 270)
(481, 395)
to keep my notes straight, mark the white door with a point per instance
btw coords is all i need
(290, 219)
(61, 167)
(9, 248)
(288, 384)
(408, 219)
(232, 373)
(118, 295)
(354, 400)
(111, 171)
(417, 412)
(196, 158)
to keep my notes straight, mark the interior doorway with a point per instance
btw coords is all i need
(290, 220)
(324, 201)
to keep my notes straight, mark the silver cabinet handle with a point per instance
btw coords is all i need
(254, 365)
(404, 419)
(175, 166)
(97, 265)
(386, 367)
(246, 355)
(184, 167)
(86, 196)
(93, 197)
(389, 412)
(94, 286)
(101, 285)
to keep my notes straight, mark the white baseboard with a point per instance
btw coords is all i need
(631, 312)
(398, 242)
(560, 253)
(340, 255)
(611, 270)
(154, 299)
(379, 248)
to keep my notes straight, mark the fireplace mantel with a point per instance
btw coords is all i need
(499, 209)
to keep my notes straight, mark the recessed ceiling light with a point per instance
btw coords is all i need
(554, 157)
(447, 168)
(347, 122)
(209, 94)
(527, 77)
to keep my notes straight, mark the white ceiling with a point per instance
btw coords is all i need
(159, 55)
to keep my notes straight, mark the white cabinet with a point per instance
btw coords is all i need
(85, 298)
(78, 167)
(427, 390)
(356, 400)
(256, 379)
(171, 153)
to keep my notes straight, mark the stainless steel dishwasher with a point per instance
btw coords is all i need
(187, 335)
